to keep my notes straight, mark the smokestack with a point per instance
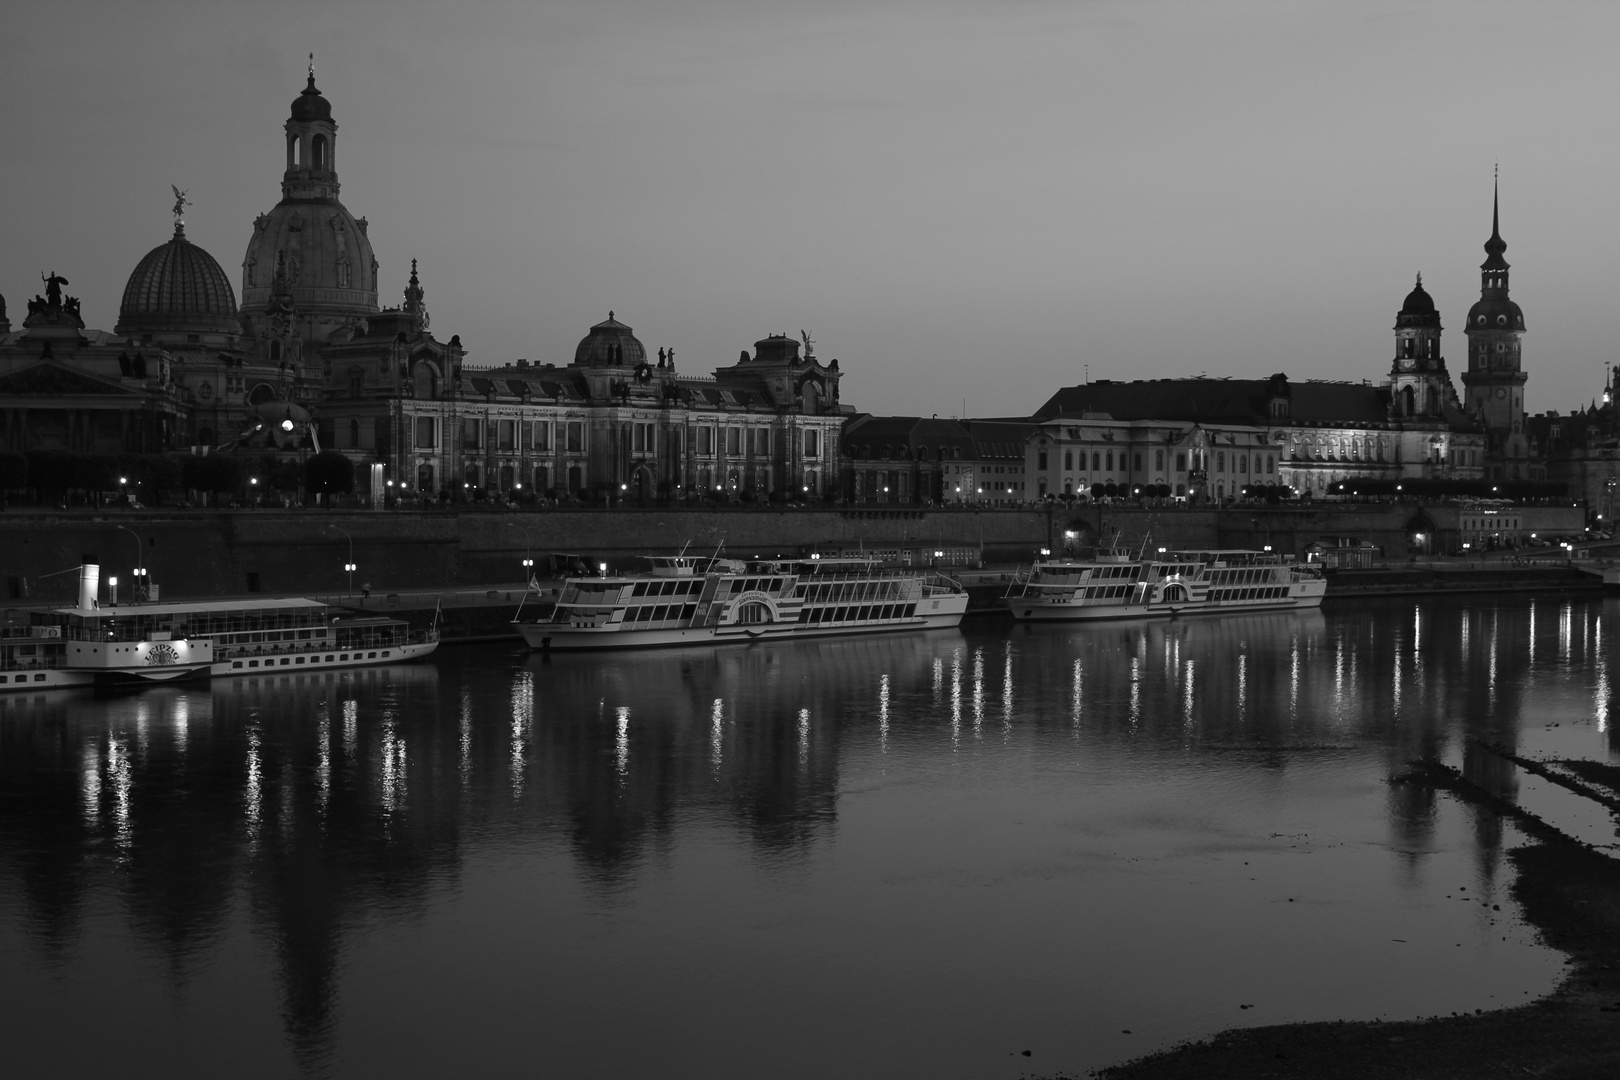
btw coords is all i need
(89, 585)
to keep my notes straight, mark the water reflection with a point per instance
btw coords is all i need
(325, 804)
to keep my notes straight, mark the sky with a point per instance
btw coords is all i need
(970, 205)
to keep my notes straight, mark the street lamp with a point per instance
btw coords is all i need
(349, 567)
(140, 568)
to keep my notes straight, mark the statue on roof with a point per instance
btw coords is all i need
(809, 343)
(53, 288)
(180, 204)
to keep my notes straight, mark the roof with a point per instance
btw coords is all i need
(1220, 401)
(178, 286)
(194, 607)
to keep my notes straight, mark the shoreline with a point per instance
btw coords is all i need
(1568, 892)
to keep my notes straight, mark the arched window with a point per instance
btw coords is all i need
(318, 152)
(426, 381)
(275, 352)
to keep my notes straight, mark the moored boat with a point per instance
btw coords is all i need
(1122, 586)
(91, 644)
(688, 600)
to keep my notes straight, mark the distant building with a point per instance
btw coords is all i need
(910, 460)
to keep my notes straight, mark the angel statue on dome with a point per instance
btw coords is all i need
(180, 203)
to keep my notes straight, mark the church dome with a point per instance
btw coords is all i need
(178, 287)
(322, 252)
(1418, 309)
(309, 105)
(610, 344)
(1495, 313)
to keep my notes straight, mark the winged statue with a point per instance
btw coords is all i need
(180, 201)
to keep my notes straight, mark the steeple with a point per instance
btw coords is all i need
(1494, 270)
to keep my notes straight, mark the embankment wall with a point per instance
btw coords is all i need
(192, 554)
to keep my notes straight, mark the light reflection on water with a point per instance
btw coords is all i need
(912, 855)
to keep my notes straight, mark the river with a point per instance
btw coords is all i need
(916, 855)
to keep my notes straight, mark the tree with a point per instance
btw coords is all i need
(13, 470)
(212, 472)
(329, 472)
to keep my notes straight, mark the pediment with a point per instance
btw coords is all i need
(46, 379)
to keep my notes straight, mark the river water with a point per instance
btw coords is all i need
(918, 855)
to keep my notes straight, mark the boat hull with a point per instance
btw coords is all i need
(324, 660)
(551, 637)
(1036, 611)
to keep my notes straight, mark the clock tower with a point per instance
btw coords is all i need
(1494, 380)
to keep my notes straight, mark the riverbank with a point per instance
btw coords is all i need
(1567, 890)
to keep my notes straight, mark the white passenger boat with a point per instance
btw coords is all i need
(689, 600)
(1117, 585)
(91, 644)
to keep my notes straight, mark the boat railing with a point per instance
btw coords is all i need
(33, 663)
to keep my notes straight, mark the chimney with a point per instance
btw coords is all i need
(89, 585)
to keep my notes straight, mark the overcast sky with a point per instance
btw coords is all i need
(960, 201)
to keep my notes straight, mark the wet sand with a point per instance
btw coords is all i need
(1567, 891)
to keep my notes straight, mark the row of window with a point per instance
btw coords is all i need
(538, 436)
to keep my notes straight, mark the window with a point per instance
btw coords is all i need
(1137, 462)
(1041, 463)
(812, 444)
(576, 436)
(1181, 462)
(508, 434)
(542, 435)
(1158, 460)
(1068, 459)
(471, 430)
(1220, 461)
(1110, 460)
(354, 434)
(424, 433)
(638, 444)
(705, 441)
(762, 442)
(733, 441)
(1096, 461)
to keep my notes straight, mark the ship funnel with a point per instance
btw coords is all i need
(89, 585)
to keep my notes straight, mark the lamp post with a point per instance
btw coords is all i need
(349, 566)
(140, 567)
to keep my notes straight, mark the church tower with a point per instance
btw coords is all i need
(1494, 380)
(1419, 383)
